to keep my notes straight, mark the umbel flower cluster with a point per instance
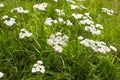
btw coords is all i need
(1, 5)
(41, 6)
(57, 41)
(109, 12)
(1, 74)
(24, 33)
(49, 21)
(8, 21)
(89, 24)
(19, 10)
(99, 47)
(38, 67)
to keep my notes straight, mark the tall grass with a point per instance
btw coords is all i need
(76, 62)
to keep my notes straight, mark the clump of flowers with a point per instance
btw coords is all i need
(49, 21)
(109, 12)
(1, 74)
(100, 47)
(8, 21)
(58, 41)
(73, 6)
(60, 12)
(55, 0)
(41, 6)
(19, 10)
(24, 33)
(1, 5)
(38, 67)
(90, 26)
(71, 1)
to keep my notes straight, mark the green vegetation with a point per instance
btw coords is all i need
(76, 62)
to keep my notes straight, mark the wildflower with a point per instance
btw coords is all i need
(56, 0)
(60, 19)
(48, 21)
(5, 17)
(77, 16)
(19, 10)
(94, 45)
(60, 12)
(71, 1)
(74, 6)
(1, 74)
(1, 5)
(41, 6)
(38, 67)
(113, 48)
(68, 22)
(24, 33)
(57, 41)
(80, 38)
(109, 12)
(9, 22)
(83, 7)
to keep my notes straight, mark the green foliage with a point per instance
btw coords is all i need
(76, 62)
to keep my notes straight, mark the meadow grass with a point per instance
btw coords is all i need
(76, 62)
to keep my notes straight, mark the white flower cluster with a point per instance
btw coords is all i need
(58, 41)
(1, 5)
(55, 0)
(109, 12)
(8, 21)
(60, 12)
(96, 46)
(71, 1)
(1, 74)
(19, 10)
(87, 20)
(41, 6)
(38, 67)
(74, 6)
(24, 33)
(83, 7)
(49, 21)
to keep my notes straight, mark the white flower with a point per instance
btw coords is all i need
(5, 17)
(83, 7)
(71, 1)
(77, 16)
(74, 6)
(1, 74)
(99, 26)
(55, 0)
(41, 6)
(109, 12)
(60, 19)
(38, 67)
(57, 41)
(60, 12)
(58, 34)
(39, 62)
(19, 10)
(55, 21)
(95, 46)
(9, 22)
(68, 22)
(48, 21)
(1, 5)
(113, 48)
(80, 37)
(58, 48)
(24, 33)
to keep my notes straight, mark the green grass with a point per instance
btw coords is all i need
(76, 62)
